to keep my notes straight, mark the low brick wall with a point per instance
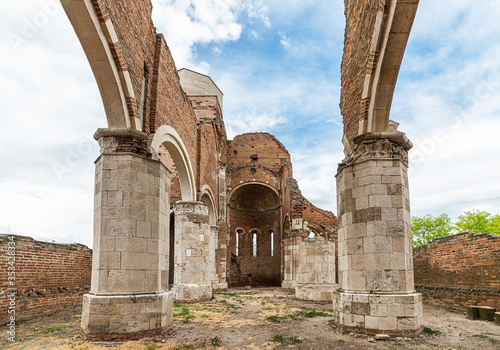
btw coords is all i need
(48, 276)
(459, 270)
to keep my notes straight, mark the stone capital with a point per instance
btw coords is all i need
(382, 145)
(123, 140)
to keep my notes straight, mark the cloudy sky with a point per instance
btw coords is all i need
(278, 64)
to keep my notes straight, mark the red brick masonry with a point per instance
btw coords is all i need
(459, 270)
(49, 276)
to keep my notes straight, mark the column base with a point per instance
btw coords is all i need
(288, 285)
(121, 317)
(315, 291)
(377, 313)
(193, 292)
(219, 287)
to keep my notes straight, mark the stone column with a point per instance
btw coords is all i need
(374, 240)
(291, 257)
(129, 295)
(215, 269)
(315, 278)
(192, 280)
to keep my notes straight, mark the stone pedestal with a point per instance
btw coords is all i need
(315, 279)
(129, 295)
(192, 277)
(374, 239)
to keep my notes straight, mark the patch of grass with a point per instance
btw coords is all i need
(314, 313)
(24, 339)
(204, 316)
(50, 330)
(305, 312)
(227, 294)
(429, 331)
(286, 340)
(480, 336)
(151, 346)
(184, 312)
(184, 346)
(273, 318)
(398, 344)
(483, 336)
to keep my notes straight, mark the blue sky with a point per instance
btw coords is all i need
(278, 64)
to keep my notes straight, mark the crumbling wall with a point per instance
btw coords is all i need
(48, 276)
(459, 270)
(323, 222)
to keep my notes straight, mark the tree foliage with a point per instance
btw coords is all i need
(479, 222)
(428, 227)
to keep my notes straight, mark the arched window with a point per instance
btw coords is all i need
(272, 243)
(255, 234)
(239, 235)
(254, 244)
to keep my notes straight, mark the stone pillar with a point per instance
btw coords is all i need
(129, 295)
(315, 279)
(214, 235)
(192, 280)
(291, 257)
(374, 240)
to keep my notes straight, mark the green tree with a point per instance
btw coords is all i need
(479, 222)
(428, 227)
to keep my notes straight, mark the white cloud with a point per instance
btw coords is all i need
(251, 120)
(284, 39)
(259, 11)
(47, 212)
(188, 22)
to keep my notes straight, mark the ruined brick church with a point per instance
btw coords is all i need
(181, 211)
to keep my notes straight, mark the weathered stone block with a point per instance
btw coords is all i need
(486, 313)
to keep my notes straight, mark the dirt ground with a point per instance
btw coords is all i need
(264, 318)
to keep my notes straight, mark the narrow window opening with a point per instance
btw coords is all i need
(272, 243)
(143, 97)
(237, 241)
(254, 248)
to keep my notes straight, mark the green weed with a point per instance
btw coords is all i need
(429, 331)
(286, 340)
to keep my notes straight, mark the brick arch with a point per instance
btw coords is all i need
(100, 43)
(208, 198)
(170, 139)
(391, 35)
(246, 183)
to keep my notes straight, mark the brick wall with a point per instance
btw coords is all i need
(358, 60)
(459, 270)
(49, 276)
